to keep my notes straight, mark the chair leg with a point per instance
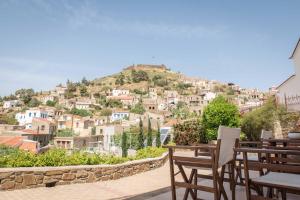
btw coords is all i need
(221, 181)
(232, 180)
(173, 189)
(283, 194)
(195, 181)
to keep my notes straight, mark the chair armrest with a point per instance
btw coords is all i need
(250, 142)
(196, 147)
(270, 151)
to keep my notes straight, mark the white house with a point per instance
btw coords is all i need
(289, 91)
(119, 115)
(83, 105)
(116, 92)
(46, 98)
(209, 96)
(26, 118)
(10, 104)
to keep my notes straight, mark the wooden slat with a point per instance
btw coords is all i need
(192, 159)
(197, 187)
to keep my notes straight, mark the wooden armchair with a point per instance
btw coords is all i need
(265, 135)
(283, 172)
(210, 165)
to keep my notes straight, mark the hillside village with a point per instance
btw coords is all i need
(88, 114)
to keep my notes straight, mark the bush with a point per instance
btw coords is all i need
(138, 109)
(219, 112)
(65, 133)
(262, 118)
(138, 76)
(149, 152)
(8, 119)
(51, 103)
(80, 112)
(11, 157)
(189, 133)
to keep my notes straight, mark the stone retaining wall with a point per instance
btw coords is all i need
(32, 177)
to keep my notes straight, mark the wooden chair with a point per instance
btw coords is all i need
(214, 162)
(265, 135)
(283, 173)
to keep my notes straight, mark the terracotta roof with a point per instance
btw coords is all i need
(12, 141)
(20, 142)
(298, 43)
(29, 145)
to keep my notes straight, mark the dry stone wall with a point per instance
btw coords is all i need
(32, 177)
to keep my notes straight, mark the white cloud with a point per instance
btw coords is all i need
(84, 14)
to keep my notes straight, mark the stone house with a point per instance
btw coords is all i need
(44, 126)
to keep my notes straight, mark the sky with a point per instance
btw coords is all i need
(44, 43)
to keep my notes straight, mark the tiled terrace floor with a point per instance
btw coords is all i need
(152, 185)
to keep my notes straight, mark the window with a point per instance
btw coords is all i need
(34, 114)
(30, 114)
(43, 127)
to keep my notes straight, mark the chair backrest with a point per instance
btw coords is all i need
(265, 135)
(227, 137)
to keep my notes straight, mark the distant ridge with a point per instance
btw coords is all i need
(143, 66)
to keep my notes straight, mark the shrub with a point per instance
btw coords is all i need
(189, 133)
(11, 157)
(264, 118)
(149, 152)
(65, 133)
(51, 103)
(138, 109)
(219, 112)
(138, 76)
(80, 112)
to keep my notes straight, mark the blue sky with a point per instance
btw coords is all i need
(43, 43)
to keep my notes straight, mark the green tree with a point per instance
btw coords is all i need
(138, 108)
(8, 119)
(84, 81)
(34, 102)
(264, 118)
(158, 142)
(141, 135)
(149, 135)
(51, 103)
(120, 79)
(124, 145)
(80, 112)
(219, 112)
(93, 131)
(25, 94)
(138, 76)
(83, 91)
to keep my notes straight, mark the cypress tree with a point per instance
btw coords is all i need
(149, 136)
(124, 144)
(141, 136)
(158, 142)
